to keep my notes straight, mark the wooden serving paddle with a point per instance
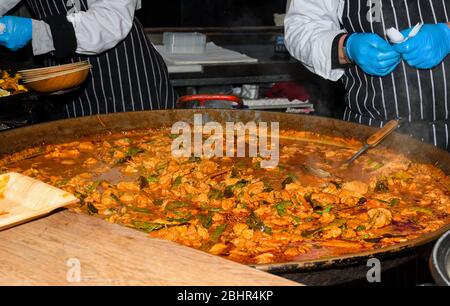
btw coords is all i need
(23, 198)
(67, 248)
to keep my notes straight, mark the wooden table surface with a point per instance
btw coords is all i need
(74, 249)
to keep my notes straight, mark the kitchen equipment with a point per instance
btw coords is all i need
(23, 198)
(40, 72)
(375, 139)
(330, 270)
(184, 43)
(276, 103)
(213, 54)
(59, 81)
(56, 78)
(24, 103)
(440, 261)
(371, 142)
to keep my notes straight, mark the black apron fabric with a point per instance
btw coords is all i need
(130, 77)
(419, 97)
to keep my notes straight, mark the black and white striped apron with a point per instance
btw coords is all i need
(130, 77)
(420, 97)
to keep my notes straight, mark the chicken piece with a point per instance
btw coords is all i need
(86, 147)
(231, 181)
(264, 258)
(118, 155)
(202, 232)
(68, 162)
(238, 228)
(329, 154)
(108, 201)
(291, 252)
(128, 186)
(356, 187)
(327, 217)
(256, 188)
(228, 204)
(124, 142)
(379, 217)
(218, 249)
(324, 199)
(331, 232)
(69, 154)
(127, 197)
(90, 161)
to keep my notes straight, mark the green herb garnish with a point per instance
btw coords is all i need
(153, 179)
(175, 205)
(215, 194)
(394, 202)
(255, 223)
(218, 232)
(206, 220)
(158, 202)
(177, 182)
(147, 226)
(282, 206)
(360, 228)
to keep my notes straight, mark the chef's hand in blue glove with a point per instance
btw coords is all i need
(428, 48)
(17, 32)
(374, 55)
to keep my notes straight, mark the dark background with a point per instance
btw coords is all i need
(209, 13)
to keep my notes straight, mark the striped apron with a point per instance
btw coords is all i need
(420, 97)
(130, 77)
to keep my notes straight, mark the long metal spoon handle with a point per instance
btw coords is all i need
(358, 154)
(388, 129)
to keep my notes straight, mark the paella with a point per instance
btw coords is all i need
(308, 207)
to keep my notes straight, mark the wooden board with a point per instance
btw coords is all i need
(23, 198)
(47, 251)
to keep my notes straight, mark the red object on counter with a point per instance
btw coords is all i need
(289, 90)
(202, 99)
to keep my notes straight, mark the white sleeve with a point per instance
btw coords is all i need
(7, 5)
(311, 26)
(105, 24)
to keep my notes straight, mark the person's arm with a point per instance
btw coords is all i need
(342, 56)
(7, 5)
(105, 24)
(311, 28)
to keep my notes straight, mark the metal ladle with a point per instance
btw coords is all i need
(371, 142)
(375, 139)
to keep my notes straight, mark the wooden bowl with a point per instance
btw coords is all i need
(59, 81)
(31, 73)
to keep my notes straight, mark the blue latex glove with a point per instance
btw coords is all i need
(18, 32)
(373, 54)
(428, 48)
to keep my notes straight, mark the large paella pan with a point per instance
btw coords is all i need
(306, 212)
